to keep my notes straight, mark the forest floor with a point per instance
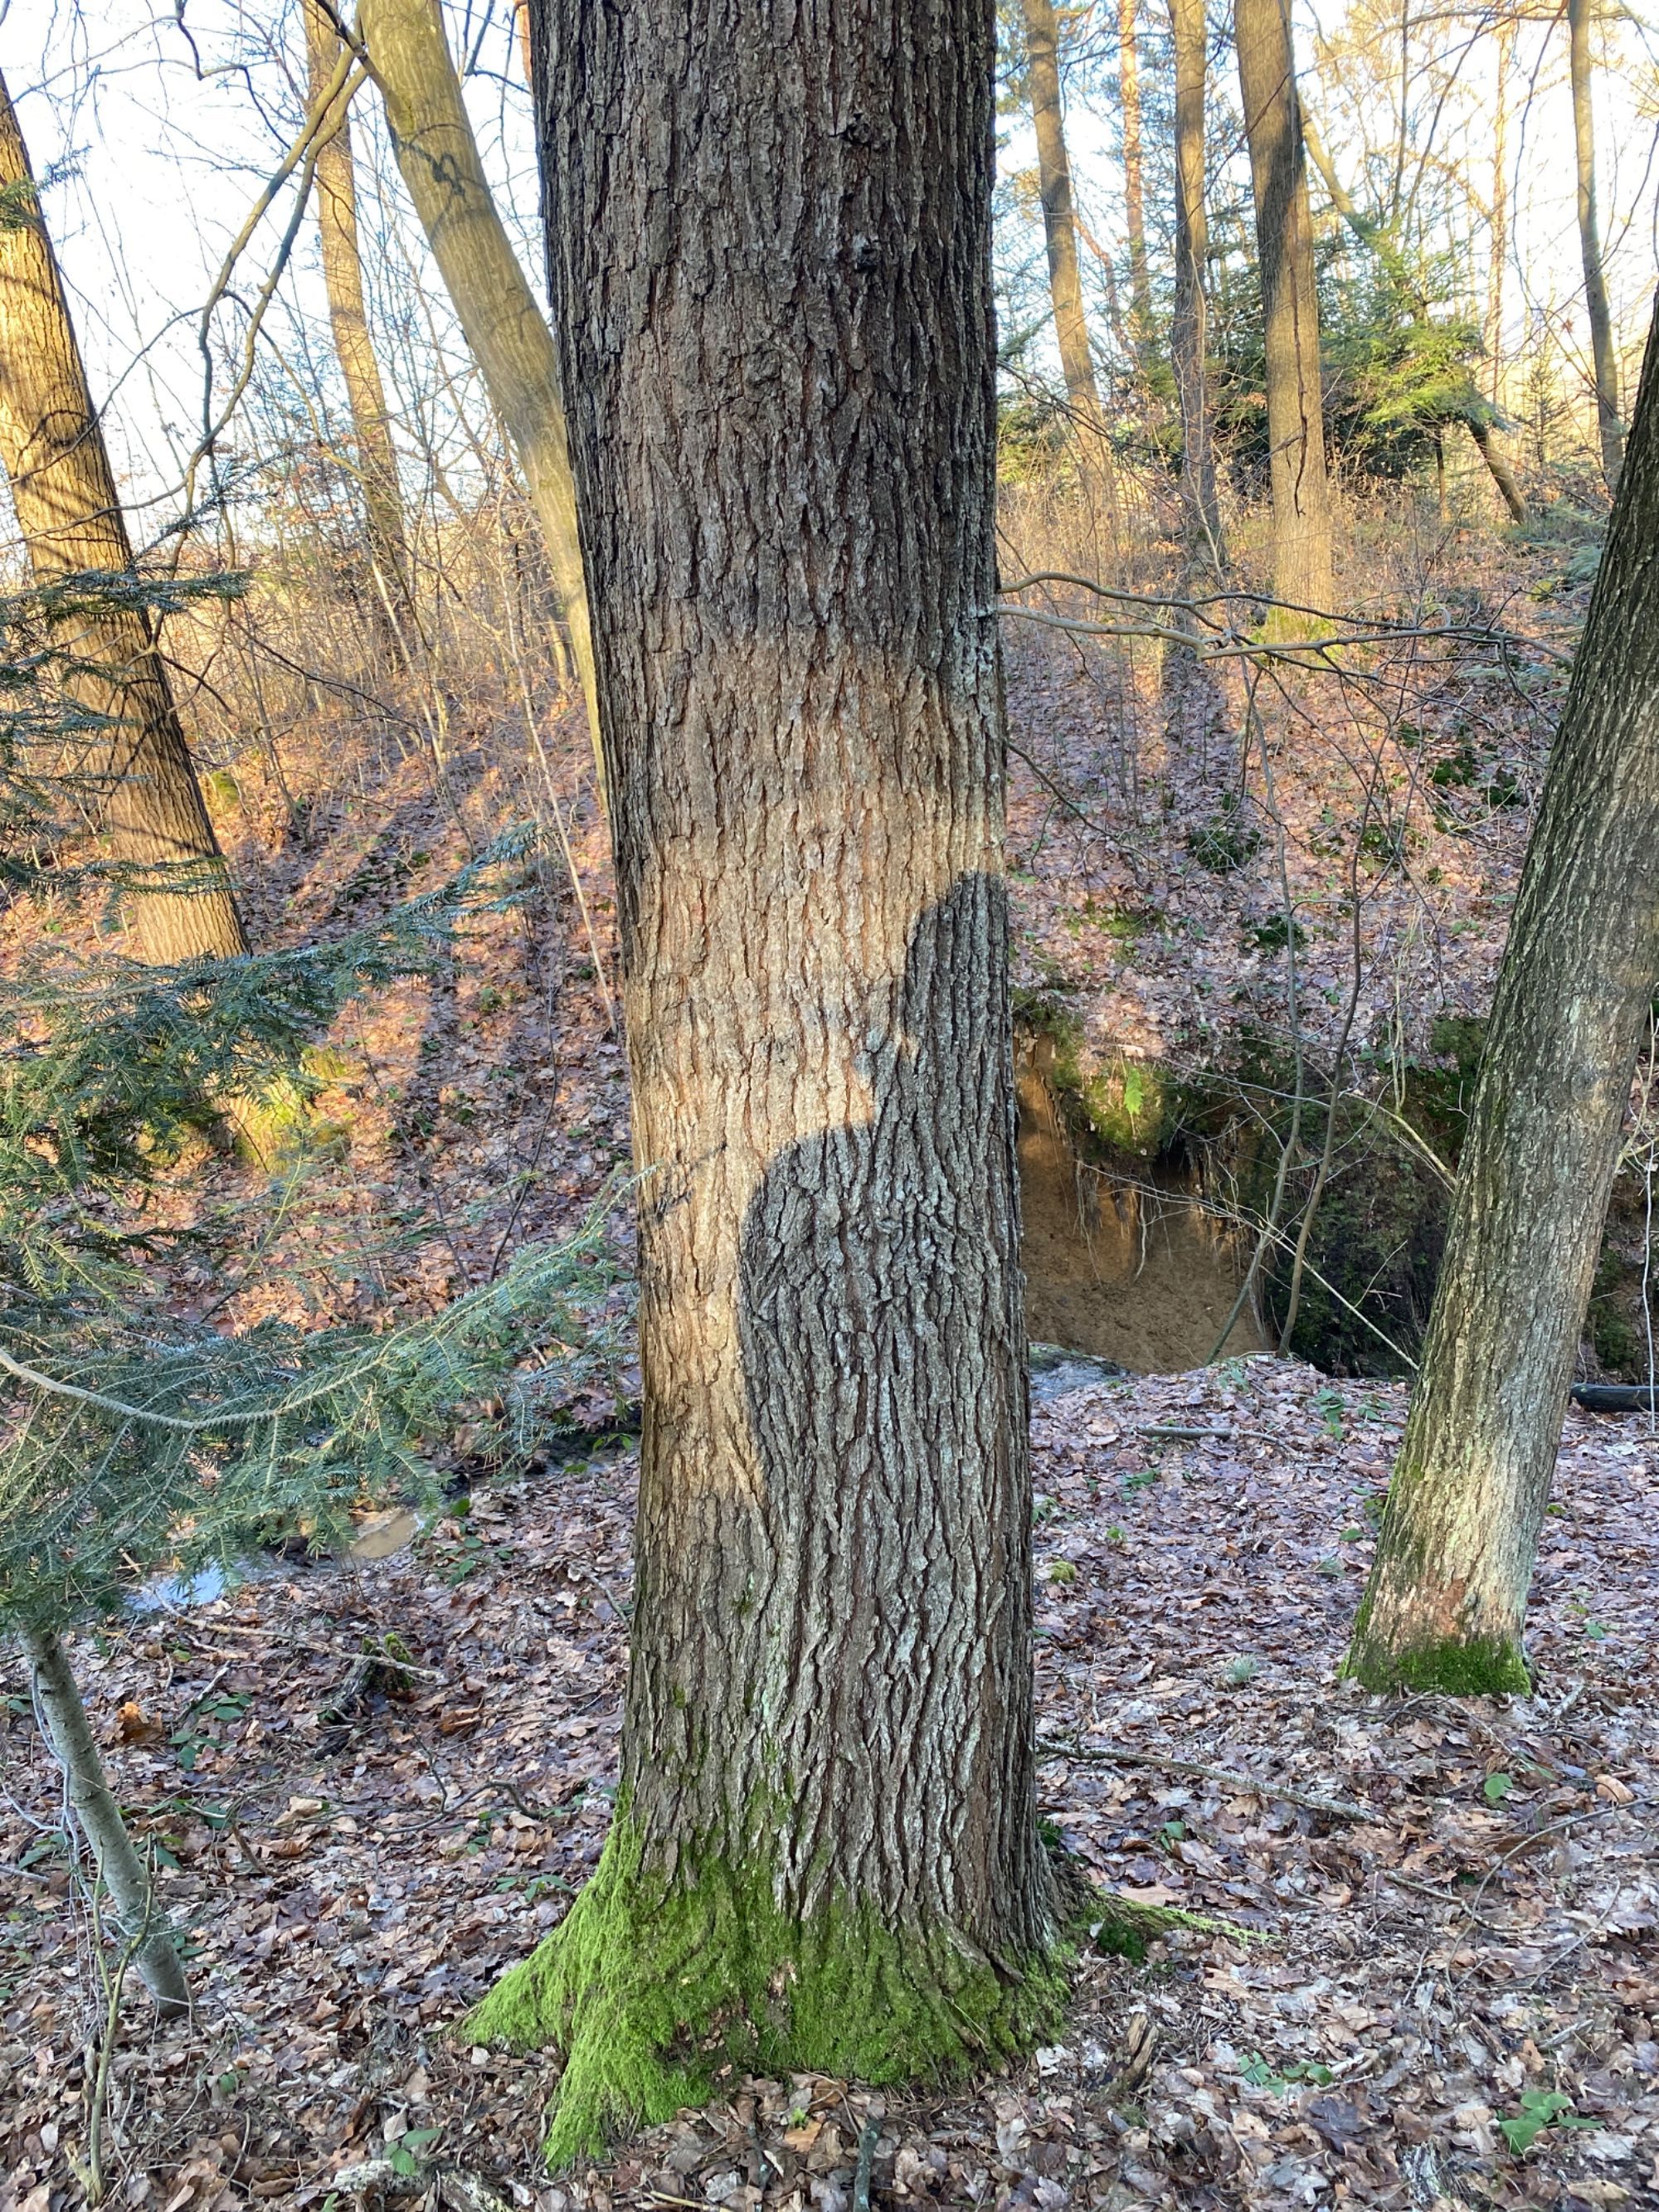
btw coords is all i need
(1449, 1993)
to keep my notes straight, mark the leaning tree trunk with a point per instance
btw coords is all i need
(779, 347)
(1446, 1602)
(64, 1725)
(1189, 321)
(51, 446)
(1058, 222)
(1284, 230)
(343, 279)
(1610, 429)
(506, 332)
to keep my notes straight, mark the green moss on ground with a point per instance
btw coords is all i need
(650, 1988)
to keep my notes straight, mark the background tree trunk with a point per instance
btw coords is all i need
(779, 350)
(342, 277)
(64, 1722)
(1284, 229)
(1446, 1602)
(64, 490)
(1609, 427)
(1058, 223)
(506, 332)
(1134, 180)
(1500, 214)
(1189, 323)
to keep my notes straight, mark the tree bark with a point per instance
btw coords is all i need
(1500, 214)
(64, 1725)
(1497, 466)
(1284, 229)
(1609, 427)
(342, 278)
(408, 58)
(1189, 322)
(769, 243)
(1445, 1606)
(1134, 183)
(63, 489)
(1059, 222)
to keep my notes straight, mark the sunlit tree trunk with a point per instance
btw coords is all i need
(1135, 176)
(342, 278)
(1445, 1606)
(779, 353)
(506, 332)
(1609, 427)
(1500, 215)
(1284, 229)
(63, 489)
(1189, 322)
(1059, 222)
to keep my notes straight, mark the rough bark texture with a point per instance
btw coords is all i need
(64, 1725)
(1610, 429)
(342, 278)
(1058, 222)
(52, 448)
(769, 235)
(1446, 1602)
(1135, 176)
(506, 332)
(1284, 230)
(1189, 321)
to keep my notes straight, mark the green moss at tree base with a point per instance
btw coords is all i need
(1454, 1667)
(651, 1987)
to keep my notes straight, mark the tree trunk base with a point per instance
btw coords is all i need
(651, 1986)
(1454, 1666)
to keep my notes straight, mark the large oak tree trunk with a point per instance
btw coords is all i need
(1058, 222)
(770, 251)
(51, 446)
(506, 331)
(343, 279)
(1609, 427)
(1284, 230)
(1189, 321)
(1446, 1602)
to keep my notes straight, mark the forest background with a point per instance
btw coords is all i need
(1258, 911)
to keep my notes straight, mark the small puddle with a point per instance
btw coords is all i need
(1121, 1271)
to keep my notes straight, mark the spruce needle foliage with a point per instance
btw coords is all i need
(132, 1441)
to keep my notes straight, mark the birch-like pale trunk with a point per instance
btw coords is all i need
(779, 348)
(408, 58)
(64, 1722)
(1445, 1606)
(1189, 320)
(375, 456)
(63, 487)
(1610, 428)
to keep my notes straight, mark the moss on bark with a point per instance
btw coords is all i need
(651, 1986)
(1456, 1667)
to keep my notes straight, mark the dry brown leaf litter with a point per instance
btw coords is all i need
(1486, 1934)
